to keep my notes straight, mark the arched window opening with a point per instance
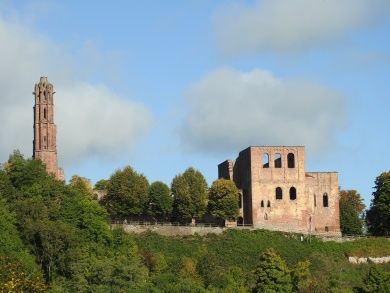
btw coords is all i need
(278, 193)
(315, 200)
(265, 216)
(44, 113)
(265, 160)
(290, 160)
(262, 203)
(293, 193)
(278, 160)
(268, 204)
(326, 229)
(325, 201)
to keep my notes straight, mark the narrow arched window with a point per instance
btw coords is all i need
(325, 201)
(278, 193)
(44, 113)
(293, 193)
(278, 160)
(290, 160)
(265, 216)
(268, 204)
(262, 203)
(315, 200)
(265, 160)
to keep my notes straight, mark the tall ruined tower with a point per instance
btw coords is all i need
(44, 145)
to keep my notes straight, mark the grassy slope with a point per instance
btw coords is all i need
(329, 260)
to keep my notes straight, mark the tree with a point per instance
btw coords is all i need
(160, 201)
(189, 195)
(351, 208)
(223, 199)
(378, 216)
(82, 184)
(102, 184)
(272, 273)
(127, 194)
(377, 280)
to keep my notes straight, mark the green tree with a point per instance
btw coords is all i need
(272, 273)
(301, 277)
(160, 201)
(377, 280)
(378, 216)
(127, 194)
(351, 209)
(83, 184)
(223, 199)
(189, 195)
(101, 184)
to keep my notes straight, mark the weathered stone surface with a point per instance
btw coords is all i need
(300, 208)
(45, 133)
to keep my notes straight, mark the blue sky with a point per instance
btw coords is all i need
(164, 85)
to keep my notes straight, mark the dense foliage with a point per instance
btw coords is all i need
(189, 195)
(160, 201)
(223, 199)
(378, 216)
(127, 194)
(351, 209)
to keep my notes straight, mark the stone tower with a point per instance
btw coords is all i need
(44, 145)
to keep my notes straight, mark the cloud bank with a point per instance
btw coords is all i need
(228, 110)
(91, 119)
(293, 25)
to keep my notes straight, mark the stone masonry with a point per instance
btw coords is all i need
(277, 193)
(44, 144)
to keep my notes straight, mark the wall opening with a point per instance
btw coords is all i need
(44, 113)
(278, 160)
(290, 160)
(265, 160)
(268, 204)
(262, 203)
(265, 216)
(293, 193)
(326, 229)
(278, 193)
(315, 200)
(325, 200)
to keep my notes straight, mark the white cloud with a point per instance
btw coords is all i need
(280, 25)
(91, 119)
(229, 110)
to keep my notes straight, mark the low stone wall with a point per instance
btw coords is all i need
(376, 260)
(168, 230)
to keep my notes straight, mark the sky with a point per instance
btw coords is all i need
(165, 85)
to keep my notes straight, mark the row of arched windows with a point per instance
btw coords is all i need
(278, 160)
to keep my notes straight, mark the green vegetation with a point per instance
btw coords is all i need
(378, 216)
(189, 195)
(223, 199)
(55, 238)
(351, 209)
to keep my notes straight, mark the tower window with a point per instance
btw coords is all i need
(293, 193)
(268, 204)
(44, 113)
(262, 203)
(278, 193)
(290, 160)
(278, 160)
(325, 200)
(265, 160)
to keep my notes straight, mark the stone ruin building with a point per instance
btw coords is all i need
(277, 193)
(44, 144)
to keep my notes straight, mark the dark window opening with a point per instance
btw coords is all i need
(265, 160)
(290, 160)
(44, 113)
(325, 201)
(278, 193)
(262, 204)
(278, 160)
(326, 229)
(315, 200)
(268, 204)
(293, 193)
